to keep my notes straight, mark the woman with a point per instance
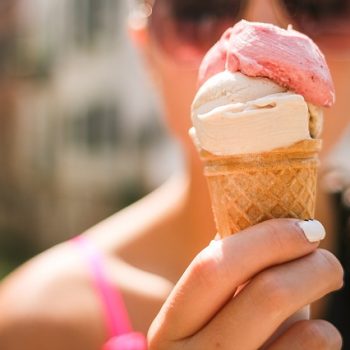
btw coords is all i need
(62, 299)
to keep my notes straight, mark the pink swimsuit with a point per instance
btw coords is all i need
(120, 334)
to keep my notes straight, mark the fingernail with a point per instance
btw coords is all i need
(313, 230)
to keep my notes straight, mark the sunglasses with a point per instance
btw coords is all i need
(186, 29)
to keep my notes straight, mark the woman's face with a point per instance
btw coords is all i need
(174, 61)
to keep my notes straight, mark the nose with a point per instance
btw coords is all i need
(262, 11)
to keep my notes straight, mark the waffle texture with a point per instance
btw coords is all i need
(251, 188)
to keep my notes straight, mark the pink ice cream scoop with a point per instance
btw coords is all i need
(287, 57)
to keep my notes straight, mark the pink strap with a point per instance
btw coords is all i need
(116, 316)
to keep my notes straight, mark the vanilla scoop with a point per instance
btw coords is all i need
(236, 114)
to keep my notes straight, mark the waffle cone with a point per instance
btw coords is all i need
(251, 188)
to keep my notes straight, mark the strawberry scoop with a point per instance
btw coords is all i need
(261, 88)
(287, 57)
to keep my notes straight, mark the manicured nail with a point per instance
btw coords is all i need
(313, 229)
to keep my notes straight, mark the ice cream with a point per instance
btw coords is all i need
(288, 57)
(262, 88)
(257, 119)
(236, 114)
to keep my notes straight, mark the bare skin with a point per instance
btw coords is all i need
(133, 264)
(49, 304)
(222, 318)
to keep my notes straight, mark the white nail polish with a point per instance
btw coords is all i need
(313, 229)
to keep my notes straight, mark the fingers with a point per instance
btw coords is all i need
(215, 273)
(309, 335)
(269, 299)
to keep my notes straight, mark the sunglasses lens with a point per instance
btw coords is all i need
(320, 17)
(326, 21)
(186, 29)
(195, 10)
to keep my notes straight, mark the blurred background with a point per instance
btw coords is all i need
(80, 136)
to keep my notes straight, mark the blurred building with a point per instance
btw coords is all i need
(8, 87)
(79, 134)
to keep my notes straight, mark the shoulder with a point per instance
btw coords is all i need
(152, 212)
(48, 300)
(143, 292)
(135, 246)
(50, 303)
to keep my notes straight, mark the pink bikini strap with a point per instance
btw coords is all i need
(116, 316)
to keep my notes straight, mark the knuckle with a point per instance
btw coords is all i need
(319, 335)
(156, 341)
(335, 337)
(206, 267)
(153, 338)
(313, 337)
(272, 291)
(333, 267)
(155, 345)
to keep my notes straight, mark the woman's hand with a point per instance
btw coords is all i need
(281, 271)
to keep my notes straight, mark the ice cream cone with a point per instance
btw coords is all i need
(251, 188)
